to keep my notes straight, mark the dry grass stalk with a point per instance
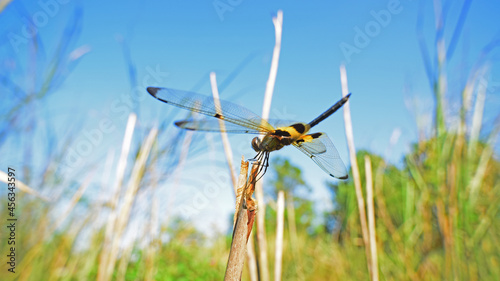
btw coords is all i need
(354, 164)
(120, 172)
(487, 154)
(261, 233)
(3, 4)
(153, 226)
(246, 208)
(35, 251)
(280, 225)
(266, 107)
(121, 271)
(371, 218)
(294, 240)
(225, 141)
(76, 197)
(128, 200)
(22, 186)
(477, 116)
(278, 28)
(252, 260)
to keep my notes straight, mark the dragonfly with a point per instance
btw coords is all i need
(238, 119)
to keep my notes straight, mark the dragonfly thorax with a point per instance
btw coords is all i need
(270, 143)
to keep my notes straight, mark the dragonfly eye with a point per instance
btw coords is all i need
(256, 144)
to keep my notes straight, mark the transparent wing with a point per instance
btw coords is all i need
(227, 111)
(321, 150)
(213, 125)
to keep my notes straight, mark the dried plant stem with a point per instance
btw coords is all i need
(35, 250)
(225, 141)
(280, 225)
(22, 186)
(295, 242)
(243, 224)
(261, 233)
(440, 87)
(153, 226)
(371, 218)
(76, 197)
(487, 154)
(128, 200)
(251, 260)
(477, 116)
(240, 189)
(278, 24)
(238, 246)
(354, 164)
(266, 107)
(3, 4)
(121, 269)
(120, 172)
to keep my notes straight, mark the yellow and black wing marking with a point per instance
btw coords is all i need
(321, 150)
(227, 111)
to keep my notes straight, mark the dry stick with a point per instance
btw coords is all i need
(371, 218)
(259, 194)
(120, 171)
(243, 222)
(238, 246)
(128, 200)
(354, 164)
(280, 222)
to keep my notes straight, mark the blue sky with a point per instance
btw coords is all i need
(185, 40)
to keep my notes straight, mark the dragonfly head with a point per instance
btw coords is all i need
(256, 144)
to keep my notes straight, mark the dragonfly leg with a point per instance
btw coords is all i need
(263, 164)
(256, 157)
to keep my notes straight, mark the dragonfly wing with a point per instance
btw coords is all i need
(213, 125)
(227, 111)
(321, 150)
